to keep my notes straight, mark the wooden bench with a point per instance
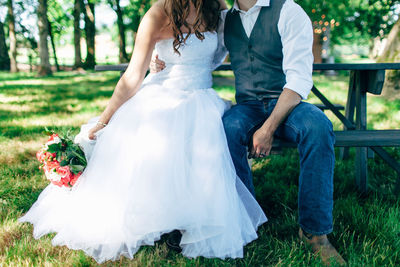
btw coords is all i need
(363, 78)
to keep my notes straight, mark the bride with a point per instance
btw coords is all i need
(160, 161)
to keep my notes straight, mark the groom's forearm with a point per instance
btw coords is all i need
(287, 101)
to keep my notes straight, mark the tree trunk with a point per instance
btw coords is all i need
(44, 66)
(317, 48)
(90, 32)
(391, 53)
(4, 58)
(123, 57)
(13, 37)
(77, 34)
(53, 45)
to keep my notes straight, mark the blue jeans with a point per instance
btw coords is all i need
(311, 130)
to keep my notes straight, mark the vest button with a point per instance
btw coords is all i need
(250, 46)
(253, 71)
(251, 58)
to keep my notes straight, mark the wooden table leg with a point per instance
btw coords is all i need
(361, 124)
(350, 107)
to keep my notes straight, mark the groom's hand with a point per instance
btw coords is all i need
(263, 137)
(156, 64)
(262, 143)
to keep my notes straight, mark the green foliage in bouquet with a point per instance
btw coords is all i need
(67, 152)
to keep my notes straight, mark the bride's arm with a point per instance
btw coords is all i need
(148, 34)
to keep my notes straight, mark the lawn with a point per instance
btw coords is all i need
(366, 231)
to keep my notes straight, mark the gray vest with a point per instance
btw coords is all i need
(256, 60)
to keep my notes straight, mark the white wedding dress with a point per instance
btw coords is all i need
(162, 163)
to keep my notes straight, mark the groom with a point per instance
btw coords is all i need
(270, 47)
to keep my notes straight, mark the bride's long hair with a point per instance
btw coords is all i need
(207, 18)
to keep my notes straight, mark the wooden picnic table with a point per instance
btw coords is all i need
(364, 78)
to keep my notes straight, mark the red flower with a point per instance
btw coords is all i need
(51, 138)
(65, 181)
(74, 178)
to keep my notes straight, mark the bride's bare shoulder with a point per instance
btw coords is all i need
(156, 17)
(157, 13)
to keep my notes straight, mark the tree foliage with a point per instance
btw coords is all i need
(355, 21)
(135, 11)
(60, 15)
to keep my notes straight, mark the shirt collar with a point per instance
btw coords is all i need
(259, 3)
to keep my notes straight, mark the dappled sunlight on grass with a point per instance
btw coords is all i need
(17, 99)
(56, 83)
(15, 150)
(17, 108)
(62, 119)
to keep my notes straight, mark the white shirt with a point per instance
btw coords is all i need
(295, 29)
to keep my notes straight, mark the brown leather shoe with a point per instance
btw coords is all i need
(323, 248)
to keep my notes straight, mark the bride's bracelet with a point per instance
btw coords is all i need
(102, 124)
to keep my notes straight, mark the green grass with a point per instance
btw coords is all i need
(366, 232)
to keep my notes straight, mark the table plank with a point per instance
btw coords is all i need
(360, 138)
(357, 66)
(324, 66)
(118, 67)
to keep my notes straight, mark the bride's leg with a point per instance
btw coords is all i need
(239, 123)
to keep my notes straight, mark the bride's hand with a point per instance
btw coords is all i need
(94, 130)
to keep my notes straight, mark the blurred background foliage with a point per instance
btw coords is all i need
(344, 30)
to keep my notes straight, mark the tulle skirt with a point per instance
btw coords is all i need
(162, 163)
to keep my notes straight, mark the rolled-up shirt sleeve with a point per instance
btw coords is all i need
(296, 33)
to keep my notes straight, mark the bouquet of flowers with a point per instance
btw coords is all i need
(61, 159)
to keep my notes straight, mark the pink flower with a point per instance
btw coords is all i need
(58, 183)
(40, 155)
(49, 165)
(64, 172)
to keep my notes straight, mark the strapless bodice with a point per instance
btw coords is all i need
(191, 69)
